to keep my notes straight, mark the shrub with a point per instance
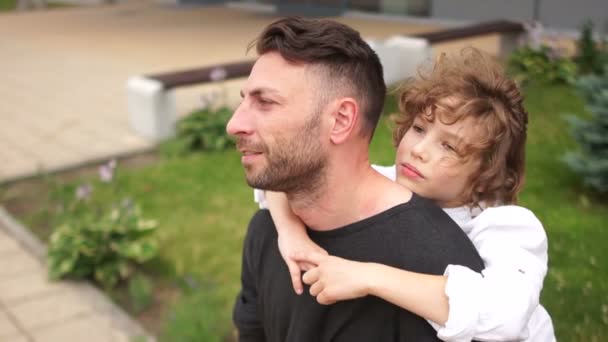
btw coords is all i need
(98, 241)
(591, 56)
(542, 64)
(202, 130)
(592, 135)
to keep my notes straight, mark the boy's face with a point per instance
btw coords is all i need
(429, 160)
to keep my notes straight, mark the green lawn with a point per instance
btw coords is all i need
(203, 206)
(7, 5)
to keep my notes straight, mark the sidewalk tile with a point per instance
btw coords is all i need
(92, 328)
(7, 328)
(13, 338)
(19, 288)
(56, 308)
(18, 263)
(8, 244)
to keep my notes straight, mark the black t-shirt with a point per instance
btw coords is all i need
(417, 236)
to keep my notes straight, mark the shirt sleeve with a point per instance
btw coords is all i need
(245, 314)
(387, 171)
(260, 198)
(497, 304)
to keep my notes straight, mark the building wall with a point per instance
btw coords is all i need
(559, 14)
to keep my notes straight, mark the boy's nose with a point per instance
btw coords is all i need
(419, 150)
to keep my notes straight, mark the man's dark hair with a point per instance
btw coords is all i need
(350, 65)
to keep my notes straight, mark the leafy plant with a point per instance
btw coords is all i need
(100, 241)
(591, 56)
(592, 135)
(205, 129)
(542, 64)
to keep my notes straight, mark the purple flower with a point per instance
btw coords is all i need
(106, 171)
(84, 191)
(218, 74)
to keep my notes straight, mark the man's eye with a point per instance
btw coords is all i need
(265, 101)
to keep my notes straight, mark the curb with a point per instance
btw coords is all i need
(98, 299)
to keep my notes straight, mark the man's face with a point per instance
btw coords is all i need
(278, 127)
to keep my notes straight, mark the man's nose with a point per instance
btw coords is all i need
(240, 122)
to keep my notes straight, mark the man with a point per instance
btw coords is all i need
(309, 110)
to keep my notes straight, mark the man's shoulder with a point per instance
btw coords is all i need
(260, 228)
(430, 236)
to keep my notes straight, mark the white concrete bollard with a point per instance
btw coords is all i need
(151, 108)
(400, 56)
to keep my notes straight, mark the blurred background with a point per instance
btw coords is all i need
(115, 167)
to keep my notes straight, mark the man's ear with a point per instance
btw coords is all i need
(345, 119)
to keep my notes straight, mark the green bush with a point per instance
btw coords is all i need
(104, 247)
(591, 56)
(592, 135)
(542, 64)
(202, 130)
(99, 240)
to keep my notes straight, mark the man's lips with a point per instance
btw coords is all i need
(410, 171)
(249, 154)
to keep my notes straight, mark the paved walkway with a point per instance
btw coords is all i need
(34, 309)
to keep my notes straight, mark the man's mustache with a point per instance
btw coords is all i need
(249, 145)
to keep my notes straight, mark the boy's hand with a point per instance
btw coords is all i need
(291, 246)
(335, 278)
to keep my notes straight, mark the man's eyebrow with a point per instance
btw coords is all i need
(262, 91)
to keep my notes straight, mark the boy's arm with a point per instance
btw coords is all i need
(293, 239)
(337, 279)
(496, 304)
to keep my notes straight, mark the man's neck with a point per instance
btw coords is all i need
(349, 194)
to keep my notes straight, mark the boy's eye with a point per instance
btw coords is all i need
(449, 147)
(417, 129)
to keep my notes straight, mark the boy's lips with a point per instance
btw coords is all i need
(410, 171)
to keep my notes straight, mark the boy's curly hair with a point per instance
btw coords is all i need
(477, 87)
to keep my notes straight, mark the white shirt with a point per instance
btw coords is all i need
(502, 302)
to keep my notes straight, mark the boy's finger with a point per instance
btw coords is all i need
(294, 272)
(324, 299)
(305, 266)
(314, 258)
(315, 289)
(311, 276)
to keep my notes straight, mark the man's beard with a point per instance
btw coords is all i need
(295, 165)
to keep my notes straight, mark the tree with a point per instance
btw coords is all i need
(592, 135)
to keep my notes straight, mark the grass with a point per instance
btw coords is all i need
(7, 5)
(203, 206)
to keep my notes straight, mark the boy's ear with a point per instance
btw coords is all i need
(345, 116)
